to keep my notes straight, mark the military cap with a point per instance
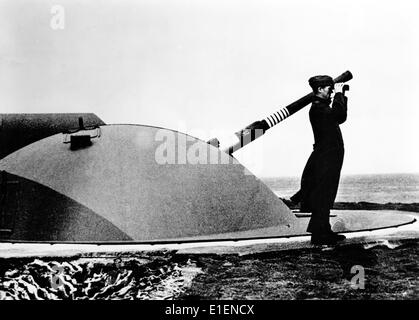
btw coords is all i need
(320, 81)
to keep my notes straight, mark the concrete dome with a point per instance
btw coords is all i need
(119, 189)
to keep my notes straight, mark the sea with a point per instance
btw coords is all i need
(376, 188)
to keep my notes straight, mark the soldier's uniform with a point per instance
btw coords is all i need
(321, 174)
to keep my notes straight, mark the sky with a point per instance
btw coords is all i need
(212, 67)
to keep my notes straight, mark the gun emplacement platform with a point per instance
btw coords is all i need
(116, 190)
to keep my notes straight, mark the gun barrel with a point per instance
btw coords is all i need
(258, 128)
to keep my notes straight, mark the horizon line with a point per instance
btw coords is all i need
(345, 174)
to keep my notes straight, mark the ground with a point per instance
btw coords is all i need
(390, 272)
(310, 274)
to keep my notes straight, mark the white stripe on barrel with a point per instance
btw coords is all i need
(277, 117)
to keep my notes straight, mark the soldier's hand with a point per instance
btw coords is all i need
(338, 87)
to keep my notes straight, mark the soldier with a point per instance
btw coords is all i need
(320, 179)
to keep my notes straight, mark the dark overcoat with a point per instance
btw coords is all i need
(320, 179)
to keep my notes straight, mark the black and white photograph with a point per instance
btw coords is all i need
(221, 152)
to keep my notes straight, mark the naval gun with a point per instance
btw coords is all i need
(69, 178)
(259, 128)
